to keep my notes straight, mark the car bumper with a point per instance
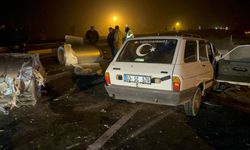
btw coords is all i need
(134, 94)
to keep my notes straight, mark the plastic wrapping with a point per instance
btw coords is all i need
(84, 58)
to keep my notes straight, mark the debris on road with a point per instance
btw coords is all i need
(21, 78)
(85, 58)
(212, 103)
(72, 146)
(103, 111)
(107, 126)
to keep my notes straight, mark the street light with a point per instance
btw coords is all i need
(114, 20)
(177, 26)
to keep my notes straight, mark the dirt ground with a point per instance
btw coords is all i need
(69, 117)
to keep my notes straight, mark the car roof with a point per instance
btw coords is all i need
(167, 37)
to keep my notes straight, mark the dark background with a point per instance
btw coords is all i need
(52, 19)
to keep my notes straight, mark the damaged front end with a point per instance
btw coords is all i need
(21, 78)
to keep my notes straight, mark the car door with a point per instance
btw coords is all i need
(204, 63)
(189, 69)
(234, 67)
(196, 67)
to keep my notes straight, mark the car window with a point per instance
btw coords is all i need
(202, 51)
(240, 54)
(190, 51)
(210, 52)
(148, 51)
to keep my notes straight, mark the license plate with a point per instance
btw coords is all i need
(137, 79)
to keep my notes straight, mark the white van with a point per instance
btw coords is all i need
(167, 70)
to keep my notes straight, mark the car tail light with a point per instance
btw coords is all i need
(107, 78)
(176, 84)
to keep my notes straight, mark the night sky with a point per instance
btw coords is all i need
(58, 17)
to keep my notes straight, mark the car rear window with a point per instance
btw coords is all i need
(148, 51)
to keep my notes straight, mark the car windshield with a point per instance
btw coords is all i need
(148, 51)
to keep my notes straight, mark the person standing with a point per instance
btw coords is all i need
(110, 41)
(129, 33)
(118, 36)
(92, 36)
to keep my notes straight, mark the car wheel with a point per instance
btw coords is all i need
(193, 106)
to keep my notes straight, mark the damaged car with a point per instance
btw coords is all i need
(21, 79)
(233, 68)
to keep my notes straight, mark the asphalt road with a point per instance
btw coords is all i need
(76, 113)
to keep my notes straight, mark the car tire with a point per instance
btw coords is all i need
(193, 106)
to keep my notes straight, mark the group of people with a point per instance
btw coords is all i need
(115, 37)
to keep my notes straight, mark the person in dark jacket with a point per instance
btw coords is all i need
(92, 36)
(110, 41)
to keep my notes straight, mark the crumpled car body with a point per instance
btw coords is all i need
(21, 78)
(234, 66)
(84, 58)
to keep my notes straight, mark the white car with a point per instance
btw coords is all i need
(168, 70)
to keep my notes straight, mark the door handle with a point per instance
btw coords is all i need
(239, 69)
(116, 68)
(164, 72)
